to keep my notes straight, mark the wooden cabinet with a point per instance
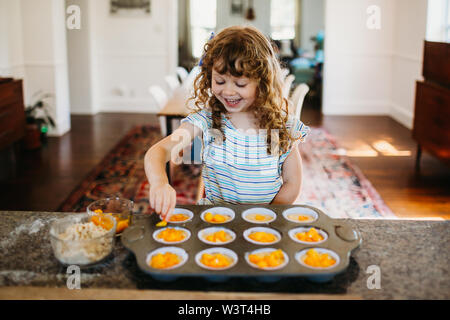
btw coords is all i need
(431, 127)
(12, 113)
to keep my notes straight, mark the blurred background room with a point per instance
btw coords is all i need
(79, 75)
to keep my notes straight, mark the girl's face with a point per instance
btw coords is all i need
(236, 94)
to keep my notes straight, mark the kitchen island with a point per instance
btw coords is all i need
(410, 257)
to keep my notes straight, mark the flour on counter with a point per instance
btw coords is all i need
(28, 228)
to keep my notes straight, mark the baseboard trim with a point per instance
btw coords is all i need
(402, 115)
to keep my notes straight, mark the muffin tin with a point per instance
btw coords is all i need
(340, 241)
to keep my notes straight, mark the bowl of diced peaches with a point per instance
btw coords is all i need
(216, 258)
(267, 259)
(216, 236)
(259, 215)
(119, 208)
(308, 235)
(217, 215)
(262, 236)
(317, 258)
(167, 258)
(171, 235)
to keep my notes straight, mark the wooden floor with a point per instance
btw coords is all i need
(42, 180)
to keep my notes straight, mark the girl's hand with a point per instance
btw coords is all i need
(162, 198)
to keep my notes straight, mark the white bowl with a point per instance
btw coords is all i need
(175, 250)
(261, 229)
(299, 257)
(292, 234)
(157, 232)
(219, 210)
(300, 211)
(179, 211)
(224, 251)
(265, 211)
(266, 250)
(204, 232)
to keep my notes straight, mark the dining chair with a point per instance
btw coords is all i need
(287, 85)
(297, 98)
(182, 74)
(189, 82)
(172, 83)
(284, 73)
(160, 98)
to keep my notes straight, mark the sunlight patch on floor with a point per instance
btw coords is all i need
(362, 149)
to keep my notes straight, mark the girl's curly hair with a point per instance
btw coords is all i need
(245, 51)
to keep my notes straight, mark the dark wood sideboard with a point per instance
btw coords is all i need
(12, 112)
(431, 127)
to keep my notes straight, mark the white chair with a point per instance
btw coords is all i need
(160, 97)
(297, 98)
(189, 82)
(182, 74)
(287, 85)
(284, 73)
(172, 83)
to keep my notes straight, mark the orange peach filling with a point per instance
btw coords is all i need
(315, 259)
(172, 235)
(299, 217)
(312, 235)
(216, 218)
(162, 223)
(267, 260)
(218, 236)
(98, 220)
(178, 217)
(216, 260)
(259, 217)
(164, 260)
(261, 236)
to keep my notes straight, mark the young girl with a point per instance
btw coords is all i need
(249, 140)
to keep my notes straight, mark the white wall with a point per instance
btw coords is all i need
(11, 48)
(127, 55)
(311, 21)
(373, 71)
(45, 56)
(32, 40)
(81, 65)
(357, 76)
(407, 57)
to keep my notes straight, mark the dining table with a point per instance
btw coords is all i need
(178, 107)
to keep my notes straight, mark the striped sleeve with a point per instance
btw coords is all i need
(201, 119)
(298, 130)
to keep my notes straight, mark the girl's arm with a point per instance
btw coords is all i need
(292, 178)
(162, 197)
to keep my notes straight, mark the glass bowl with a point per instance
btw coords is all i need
(121, 209)
(72, 249)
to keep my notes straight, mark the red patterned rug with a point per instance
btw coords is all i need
(330, 180)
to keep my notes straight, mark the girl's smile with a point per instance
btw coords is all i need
(237, 94)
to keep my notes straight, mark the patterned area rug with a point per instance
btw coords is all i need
(330, 181)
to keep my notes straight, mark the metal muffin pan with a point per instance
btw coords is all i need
(342, 239)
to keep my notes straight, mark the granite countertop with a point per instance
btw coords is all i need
(412, 257)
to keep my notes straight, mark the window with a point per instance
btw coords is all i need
(203, 22)
(438, 21)
(282, 19)
(447, 26)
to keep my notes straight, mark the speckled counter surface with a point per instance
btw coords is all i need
(413, 257)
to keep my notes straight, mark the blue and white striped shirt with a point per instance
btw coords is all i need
(239, 170)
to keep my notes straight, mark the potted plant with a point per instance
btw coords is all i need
(38, 120)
